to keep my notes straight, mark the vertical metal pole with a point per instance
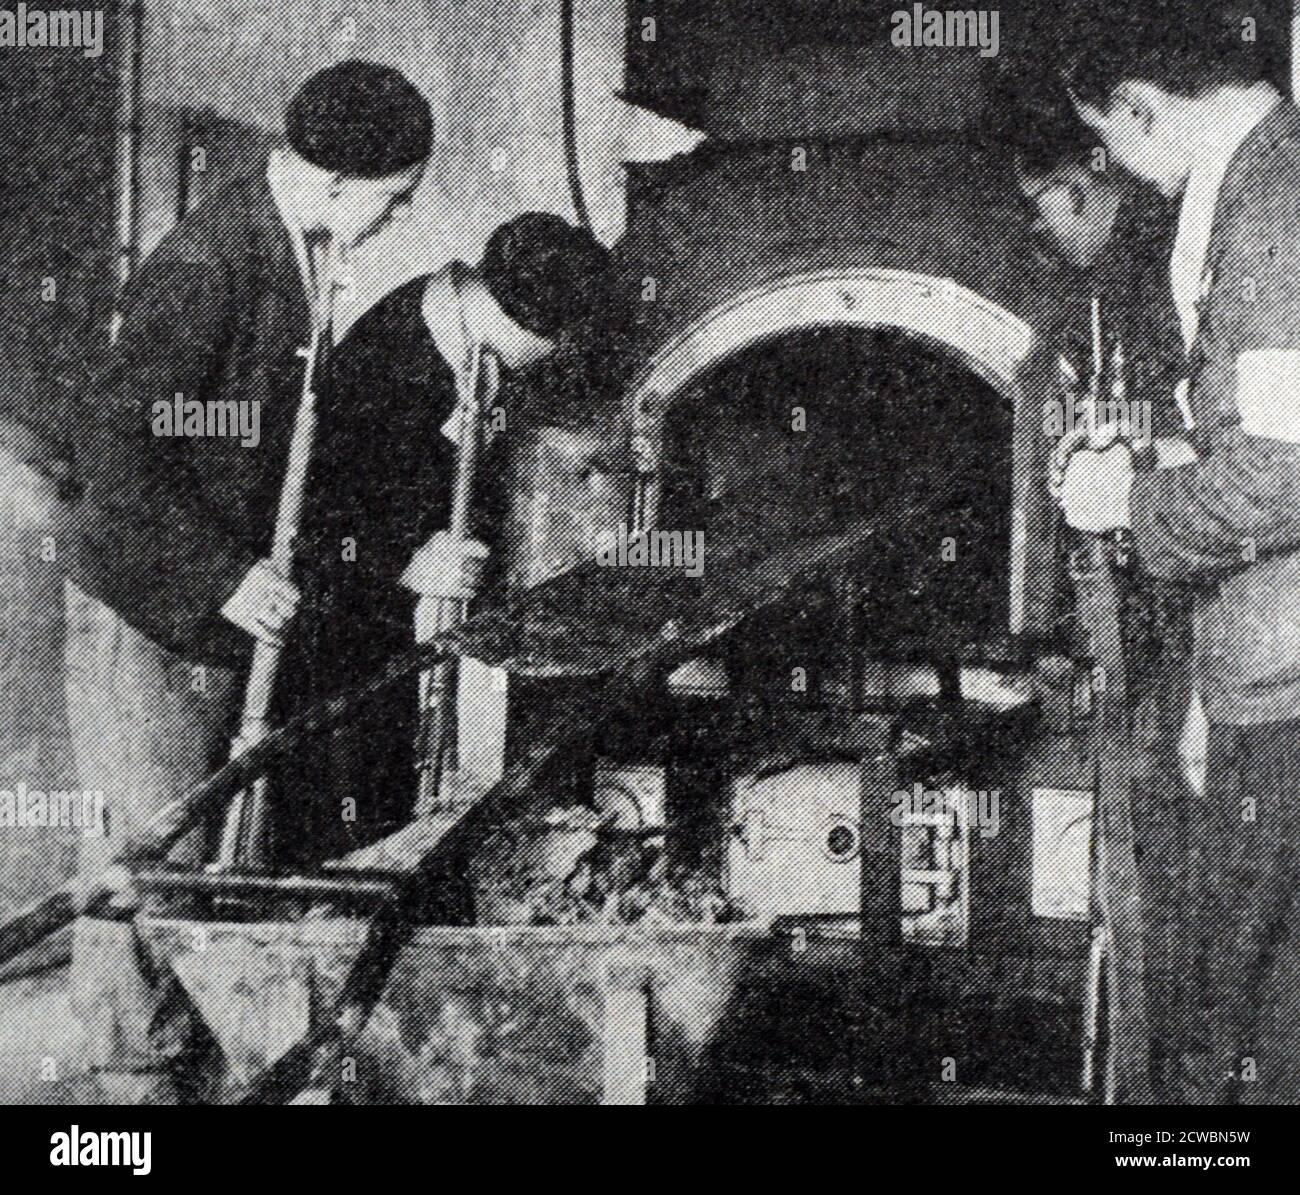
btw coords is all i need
(881, 907)
(1295, 51)
(130, 46)
(438, 685)
(1092, 1008)
(569, 113)
(626, 1062)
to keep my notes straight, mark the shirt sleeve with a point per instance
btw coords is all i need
(150, 545)
(1241, 500)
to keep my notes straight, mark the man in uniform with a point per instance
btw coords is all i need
(1113, 237)
(172, 582)
(1186, 108)
(374, 537)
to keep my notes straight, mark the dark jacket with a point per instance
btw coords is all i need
(1231, 522)
(168, 526)
(379, 487)
(1133, 279)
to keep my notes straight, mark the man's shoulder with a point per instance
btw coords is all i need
(1256, 271)
(399, 308)
(393, 320)
(223, 230)
(1262, 190)
(1251, 289)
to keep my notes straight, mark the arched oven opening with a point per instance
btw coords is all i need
(909, 248)
(847, 424)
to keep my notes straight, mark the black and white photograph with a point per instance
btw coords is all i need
(650, 552)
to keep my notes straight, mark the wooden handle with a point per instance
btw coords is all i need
(169, 825)
(438, 687)
(243, 836)
(24, 929)
(288, 514)
(258, 692)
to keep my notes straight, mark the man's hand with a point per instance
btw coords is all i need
(447, 568)
(1098, 439)
(1094, 491)
(264, 604)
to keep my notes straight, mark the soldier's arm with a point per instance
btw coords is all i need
(149, 544)
(1241, 500)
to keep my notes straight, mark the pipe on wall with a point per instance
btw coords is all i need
(1295, 51)
(568, 107)
(127, 149)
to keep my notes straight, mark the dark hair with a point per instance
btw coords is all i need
(360, 119)
(546, 274)
(1033, 126)
(1187, 47)
(1042, 147)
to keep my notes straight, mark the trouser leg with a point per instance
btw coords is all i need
(1270, 1034)
(1246, 910)
(145, 726)
(34, 752)
(1161, 860)
(1160, 815)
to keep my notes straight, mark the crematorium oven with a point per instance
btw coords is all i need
(872, 795)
